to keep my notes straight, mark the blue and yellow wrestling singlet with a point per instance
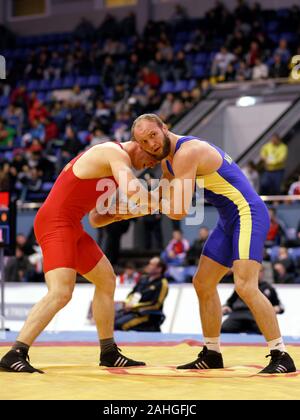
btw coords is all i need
(244, 220)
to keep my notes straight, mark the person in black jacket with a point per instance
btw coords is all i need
(240, 319)
(142, 310)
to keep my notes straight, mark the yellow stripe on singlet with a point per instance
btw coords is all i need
(218, 185)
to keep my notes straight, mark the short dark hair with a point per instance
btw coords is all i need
(161, 264)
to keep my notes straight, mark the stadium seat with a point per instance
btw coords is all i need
(295, 255)
(33, 85)
(81, 81)
(167, 87)
(198, 71)
(192, 83)
(180, 86)
(93, 80)
(46, 187)
(68, 82)
(45, 85)
(83, 135)
(4, 101)
(57, 84)
(201, 58)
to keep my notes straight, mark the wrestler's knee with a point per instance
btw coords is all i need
(202, 287)
(60, 298)
(244, 287)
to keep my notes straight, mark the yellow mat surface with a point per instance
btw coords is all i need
(72, 373)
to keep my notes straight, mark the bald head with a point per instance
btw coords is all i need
(146, 117)
(152, 135)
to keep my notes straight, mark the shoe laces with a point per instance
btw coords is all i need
(23, 354)
(275, 358)
(117, 348)
(203, 352)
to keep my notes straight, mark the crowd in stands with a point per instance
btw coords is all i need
(65, 92)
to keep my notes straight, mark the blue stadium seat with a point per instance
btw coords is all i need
(273, 252)
(283, 13)
(167, 87)
(81, 81)
(108, 94)
(68, 82)
(191, 84)
(93, 80)
(295, 255)
(199, 71)
(33, 85)
(288, 36)
(46, 186)
(4, 101)
(180, 86)
(41, 96)
(201, 58)
(182, 37)
(57, 84)
(178, 46)
(271, 26)
(45, 85)
(8, 155)
(82, 135)
(274, 36)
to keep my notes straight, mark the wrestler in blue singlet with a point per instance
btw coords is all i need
(244, 220)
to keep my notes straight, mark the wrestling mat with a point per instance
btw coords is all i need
(71, 371)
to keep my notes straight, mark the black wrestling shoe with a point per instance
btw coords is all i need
(281, 362)
(115, 359)
(18, 362)
(207, 359)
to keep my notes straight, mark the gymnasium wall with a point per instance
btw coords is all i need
(181, 307)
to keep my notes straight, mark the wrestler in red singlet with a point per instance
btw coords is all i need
(58, 227)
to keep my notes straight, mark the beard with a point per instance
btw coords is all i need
(165, 149)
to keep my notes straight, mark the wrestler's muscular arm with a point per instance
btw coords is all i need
(193, 158)
(120, 166)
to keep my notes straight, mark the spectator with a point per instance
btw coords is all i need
(7, 177)
(180, 13)
(276, 234)
(240, 319)
(32, 182)
(279, 68)
(274, 156)
(14, 117)
(283, 267)
(253, 54)
(283, 51)
(165, 110)
(295, 187)
(221, 61)
(251, 173)
(143, 309)
(98, 137)
(70, 147)
(129, 275)
(260, 70)
(6, 135)
(195, 251)
(281, 275)
(18, 268)
(175, 252)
